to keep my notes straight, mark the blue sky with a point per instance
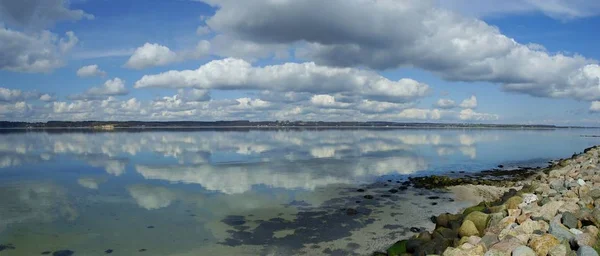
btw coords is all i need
(519, 61)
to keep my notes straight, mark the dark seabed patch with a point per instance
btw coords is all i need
(150, 227)
(390, 226)
(109, 251)
(63, 253)
(46, 252)
(141, 250)
(6, 247)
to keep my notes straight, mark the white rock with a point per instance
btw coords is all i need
(576, 231)
(529, 198)
(581, 182)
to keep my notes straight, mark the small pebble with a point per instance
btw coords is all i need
(109, 251)
(415, 230)
(150, 227)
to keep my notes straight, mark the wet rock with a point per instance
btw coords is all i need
(468, 229)
(500, 166)
(523, 251)
(586, 251)
(109, 251)
(542, 245)
(415, 230)
(444, 233)
(142, 250)
(569, 220)
(397, 249)
(425, 236)
(472, 251)
(150, 227)
(63, 253)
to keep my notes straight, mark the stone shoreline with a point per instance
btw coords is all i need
(546, 211)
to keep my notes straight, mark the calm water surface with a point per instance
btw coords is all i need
(240, 192)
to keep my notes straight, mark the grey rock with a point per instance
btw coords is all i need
(569, 220)
(523, 251)
(586, 251)
(594, 193)
(557, 185)
(559, 231)
(489, 239)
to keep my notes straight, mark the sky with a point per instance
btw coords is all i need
(459, 61)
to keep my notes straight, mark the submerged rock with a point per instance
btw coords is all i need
(63, 253)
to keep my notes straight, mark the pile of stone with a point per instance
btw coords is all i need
(553, 213)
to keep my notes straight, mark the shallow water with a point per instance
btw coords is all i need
(241, 192)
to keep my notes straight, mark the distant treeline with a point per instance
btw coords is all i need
(246, 123)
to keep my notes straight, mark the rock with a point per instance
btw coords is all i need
(559, 231)
(584, 239)
(351, 211)
(523, 251)
(496, 253)
(468, 229)
(529, 226)
(586, 251)
(529, 198)
(474, 240)
(495, 218)
(592, 230)
(425, 236)
(548, 211)
(557, 184)
(542, 245)
(580, 182)
(444, 233)
(569, 220)
(479, 219)
(478, 208)
(507, 245)
(415, 230)
(489, 239)
(514, 212)
(476, 250)
(594, 193)
(397, 249)
(513, 202)
(559, 250)
(575, 231)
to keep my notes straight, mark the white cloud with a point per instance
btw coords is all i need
(470, 102)
(39, 13)
(152, 55)
(151, 198)
(14, 95)
(90, 70)
(231, 74)
(34, 53)
(202, 30)
(595, 106)
(47, 97)
(112, 87)
(389, 34)
(470, 114)
(327, 101)
(445, 103)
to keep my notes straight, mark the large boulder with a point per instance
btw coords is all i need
(480, 220)
(548, 211)
(542, 244)
(468, 229)
(560, 231)
(513, 202)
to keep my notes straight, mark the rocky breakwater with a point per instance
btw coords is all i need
(553, 212)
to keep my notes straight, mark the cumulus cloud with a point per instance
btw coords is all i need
(152, 55)
(14, 95)
(47, 97)
(232, 74)
(34, 53)
(112, 87)
(388, 34)
(445, 103)
(470, 102)
(39, 13)
(90, 70)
